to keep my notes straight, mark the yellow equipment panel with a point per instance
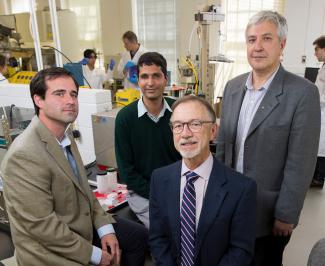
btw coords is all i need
(22, 77)
(126, 96)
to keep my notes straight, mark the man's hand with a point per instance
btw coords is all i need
(281, 228)
(111, 241)
(128, 65)
(106, 259)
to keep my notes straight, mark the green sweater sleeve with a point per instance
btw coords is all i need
(126, 159)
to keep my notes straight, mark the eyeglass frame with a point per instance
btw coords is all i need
(188, 126)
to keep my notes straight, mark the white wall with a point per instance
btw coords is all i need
(116, 18)
(5, 7)
(306, 22)
(186, 22)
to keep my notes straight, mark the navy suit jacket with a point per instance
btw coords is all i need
(226, 228)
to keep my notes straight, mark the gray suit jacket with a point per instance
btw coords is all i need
(281, 146)
(51, 214)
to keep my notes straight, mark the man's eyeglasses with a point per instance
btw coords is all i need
(193, 125)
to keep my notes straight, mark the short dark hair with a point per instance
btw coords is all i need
(200, 100)
(3, 61)
(320, 42)
(89, 52)
(130, 36)
(153, 58)
(38, 84)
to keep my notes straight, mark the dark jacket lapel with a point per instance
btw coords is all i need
(172, 191)
(236, 101)
(212, 202)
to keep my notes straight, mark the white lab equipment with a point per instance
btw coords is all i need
(102, 183)
(112, 179)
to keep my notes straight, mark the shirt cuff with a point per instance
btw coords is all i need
(105, 230)
(96, 256)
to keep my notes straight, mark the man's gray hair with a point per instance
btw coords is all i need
(271, 16)
(193, 98)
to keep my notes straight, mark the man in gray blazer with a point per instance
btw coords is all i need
(269, 130)
(52, 211)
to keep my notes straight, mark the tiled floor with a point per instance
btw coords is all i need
(311, 228)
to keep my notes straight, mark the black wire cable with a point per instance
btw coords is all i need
(15, 19)
(48, 46)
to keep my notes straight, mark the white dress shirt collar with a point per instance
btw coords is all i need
(204, 169)
(143, 110)
(266, 85)
(65, 141)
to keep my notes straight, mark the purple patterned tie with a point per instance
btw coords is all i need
(188, 225)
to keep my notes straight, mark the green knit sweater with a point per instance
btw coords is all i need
(141, 146)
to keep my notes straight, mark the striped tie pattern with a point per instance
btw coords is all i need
(188, 228)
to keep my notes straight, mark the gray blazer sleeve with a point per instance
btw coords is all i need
(301, 156)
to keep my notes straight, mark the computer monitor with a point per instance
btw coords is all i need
(311, 73)
(76, 71)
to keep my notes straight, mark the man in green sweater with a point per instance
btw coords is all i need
(143, 138)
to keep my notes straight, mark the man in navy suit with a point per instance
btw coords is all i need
(201, 212)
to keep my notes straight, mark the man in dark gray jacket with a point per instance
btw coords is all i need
(269, 131)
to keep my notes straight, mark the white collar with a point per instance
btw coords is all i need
(203, 170)
(142, 108)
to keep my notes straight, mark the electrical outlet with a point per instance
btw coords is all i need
(303, 59)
